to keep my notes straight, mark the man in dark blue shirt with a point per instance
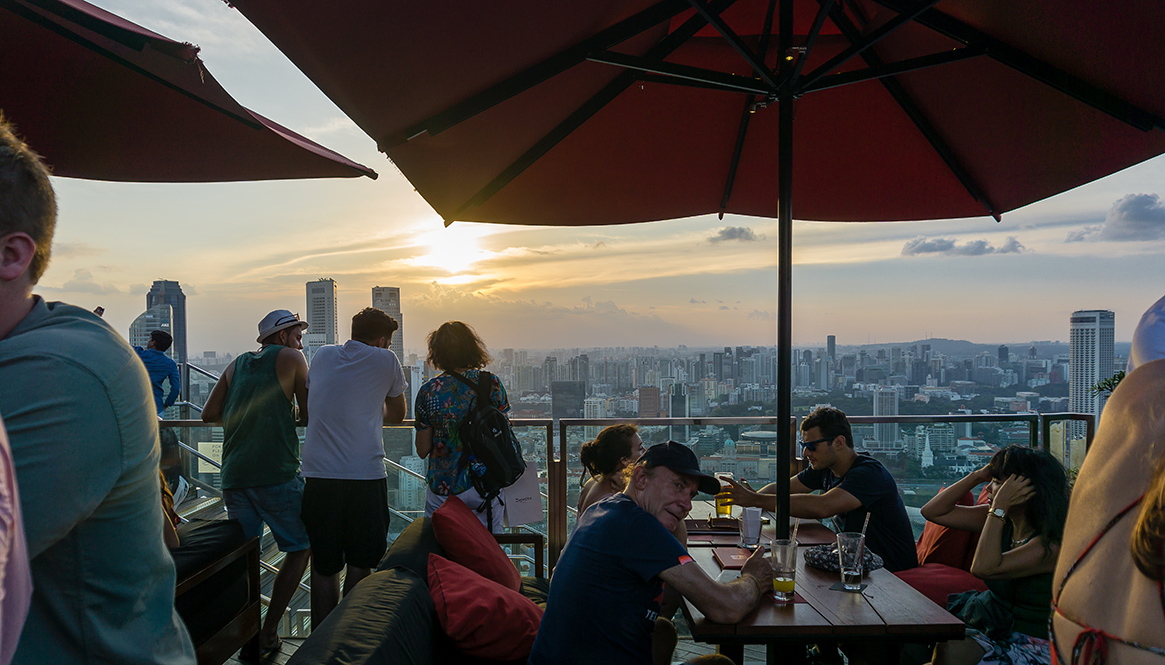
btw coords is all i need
(607, 588)
(851, 485)
(160, 368)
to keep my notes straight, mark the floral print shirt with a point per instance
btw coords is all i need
(442, 404)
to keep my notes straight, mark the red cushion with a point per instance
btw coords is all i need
(952, 547)
(937, 581)
(466, 541)
(483, 618)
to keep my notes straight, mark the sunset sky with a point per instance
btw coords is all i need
(242, 249)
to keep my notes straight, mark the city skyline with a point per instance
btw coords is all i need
(243, 249)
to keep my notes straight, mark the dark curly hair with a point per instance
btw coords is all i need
(832, 423)
(1047, 511)
(455, 345)
(602, 456)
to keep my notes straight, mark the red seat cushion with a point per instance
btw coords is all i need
(937, 581)
(951, 547)
(483, 618)
(467, 542)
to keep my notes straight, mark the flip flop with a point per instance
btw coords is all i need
(274, 647)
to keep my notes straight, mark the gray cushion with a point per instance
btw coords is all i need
(387, 619)
(412, 547)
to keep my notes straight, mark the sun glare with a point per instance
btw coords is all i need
(454, 251)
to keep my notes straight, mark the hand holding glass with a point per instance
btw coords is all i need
(784, 569)
(851, 546)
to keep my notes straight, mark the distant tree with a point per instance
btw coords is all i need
(1108, 385)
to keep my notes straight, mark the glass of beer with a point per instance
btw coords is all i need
(784, 569)
(723, 508)
(850, 548)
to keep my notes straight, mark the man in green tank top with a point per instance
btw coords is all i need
(255, 402)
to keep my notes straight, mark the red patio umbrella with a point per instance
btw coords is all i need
(100, 97)
(610, 112)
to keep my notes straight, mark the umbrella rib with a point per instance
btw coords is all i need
(757, 64)
(532, 76)
(584, 112)
(655, 66)
(818, 23)
(924, 126)
(746, 113)
(893, 68)
(1037, 69)
(61, 30)
(860, 46)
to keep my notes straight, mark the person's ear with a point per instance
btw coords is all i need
(639, 477)
(17, 250)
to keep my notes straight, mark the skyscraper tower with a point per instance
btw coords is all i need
(158, 317)
(322, 304)
(1089, 358)
(831, 347)
(387, 298)
(886, 404)
(166, 292)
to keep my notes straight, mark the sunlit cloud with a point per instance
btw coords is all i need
(951, 247)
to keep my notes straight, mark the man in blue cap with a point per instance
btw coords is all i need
(608, 585)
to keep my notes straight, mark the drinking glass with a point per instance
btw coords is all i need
(784, 569)
(750, 527)
(723, 508)
(850, 548)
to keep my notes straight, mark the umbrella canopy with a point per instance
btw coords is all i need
(100, 97)
(610, 112)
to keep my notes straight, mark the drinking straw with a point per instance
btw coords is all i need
(796, 523)
(864, 525)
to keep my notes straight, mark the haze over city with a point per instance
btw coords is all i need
(242, 249)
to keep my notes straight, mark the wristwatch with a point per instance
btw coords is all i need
(998, 512)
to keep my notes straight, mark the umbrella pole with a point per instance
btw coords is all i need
(784, 283)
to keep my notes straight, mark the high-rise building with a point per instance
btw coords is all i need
(387, 298)
(166, 292)
(1004, 354)
(831, 347)
(886, 404)
(1090, 353)
(648, 402)
(566, 399)
(158, 317)
(322, 304)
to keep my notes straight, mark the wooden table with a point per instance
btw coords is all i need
(888, 612)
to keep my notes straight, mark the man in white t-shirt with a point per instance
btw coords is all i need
(354, 390)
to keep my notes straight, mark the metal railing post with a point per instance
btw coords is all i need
(556, 478)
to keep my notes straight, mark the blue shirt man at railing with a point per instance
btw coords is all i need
(160, 368)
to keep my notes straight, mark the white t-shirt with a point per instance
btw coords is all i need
(347, 386)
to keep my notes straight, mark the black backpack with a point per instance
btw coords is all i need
(490, 449)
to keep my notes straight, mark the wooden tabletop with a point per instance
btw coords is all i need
(887, 609)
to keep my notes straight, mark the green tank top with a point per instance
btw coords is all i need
(1029, 598)
(260, 445)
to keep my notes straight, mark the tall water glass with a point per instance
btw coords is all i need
(851, 546)
(723, 508)
(784, 569)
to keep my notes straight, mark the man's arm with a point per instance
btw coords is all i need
(291, 367)
(723, 603)
(175, 379)
(765, 499)
(394, 409)
(212, 409)
(819, 506)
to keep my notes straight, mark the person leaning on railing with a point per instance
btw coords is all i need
(1019, 539)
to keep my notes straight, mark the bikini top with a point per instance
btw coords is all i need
(1091, 646)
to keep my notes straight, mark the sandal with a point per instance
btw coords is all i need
(274, 647)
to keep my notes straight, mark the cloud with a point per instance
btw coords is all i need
(951, 247)
(696, 302)
(761, 315)
(74, 250)
(724, 307)
(83, 282)
(1134, 217)
(741, 233)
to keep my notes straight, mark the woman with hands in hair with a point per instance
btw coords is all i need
(1019, 538)
(604, 461)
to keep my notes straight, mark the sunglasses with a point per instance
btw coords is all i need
(287, 319)
(812, 445)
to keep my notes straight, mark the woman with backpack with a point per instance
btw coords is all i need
(441, 406)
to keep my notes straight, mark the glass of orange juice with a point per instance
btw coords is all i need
(784, 569)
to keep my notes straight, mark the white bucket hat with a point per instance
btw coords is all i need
(276, 321)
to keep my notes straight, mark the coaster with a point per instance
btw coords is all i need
(841, 587)
(796, 599)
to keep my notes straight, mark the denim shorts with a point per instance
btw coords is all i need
(277, 505)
